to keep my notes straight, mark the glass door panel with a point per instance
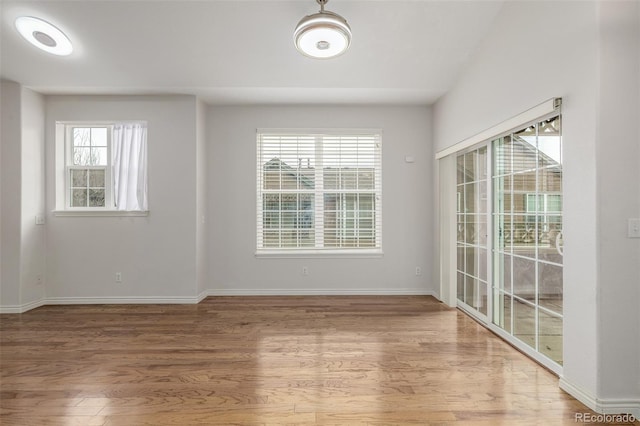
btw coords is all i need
(527, 236)
(472, 270)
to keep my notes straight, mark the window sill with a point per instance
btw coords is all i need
(319, 254)
(96, 213)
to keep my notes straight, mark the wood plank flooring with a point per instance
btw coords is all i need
(330, 360)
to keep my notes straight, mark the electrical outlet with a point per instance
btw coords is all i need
(418, 270)
(39, 219)
(39, 279)
(634, 228)
(118, 277)
(305, 270)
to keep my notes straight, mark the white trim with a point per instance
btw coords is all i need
(99, 213)
(19, 309)
(579, 394)
(603, 406)
(534, 113)
(188, 300)
(203, 295)
(302, 131)
(69, 164)
(121, 300)
(314, 254)
(99, 123)
(447, 220)
(320, 292)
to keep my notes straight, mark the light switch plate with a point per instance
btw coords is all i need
(634, 228)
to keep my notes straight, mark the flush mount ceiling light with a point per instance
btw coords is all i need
(44, 36)
(322, 35)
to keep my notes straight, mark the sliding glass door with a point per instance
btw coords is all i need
(511, 189)
(527, 236)
(472, 231)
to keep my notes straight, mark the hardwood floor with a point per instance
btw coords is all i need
(355, 360)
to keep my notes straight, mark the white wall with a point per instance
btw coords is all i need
(32, 241)
(617, 153)
(201, 198)
(408, 205)
(22, 241)
(2, 125)
(638, 121)
(155, 254)
(10, 193)
(540, 50)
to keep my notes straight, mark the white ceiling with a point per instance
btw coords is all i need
(242, 52)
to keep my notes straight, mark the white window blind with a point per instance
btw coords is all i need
(319, 191)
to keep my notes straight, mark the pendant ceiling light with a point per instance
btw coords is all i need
(322, 35)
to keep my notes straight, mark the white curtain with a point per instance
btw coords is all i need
(129, 153)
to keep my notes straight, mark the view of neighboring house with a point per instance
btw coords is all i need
(289, 202)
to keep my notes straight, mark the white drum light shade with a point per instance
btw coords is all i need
(44, 36)
(322, 35)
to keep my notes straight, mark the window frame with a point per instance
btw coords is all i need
(318, 193)
(63, 158)
(69, 166)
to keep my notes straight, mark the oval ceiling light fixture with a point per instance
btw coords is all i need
(44, 36)
(322, 35)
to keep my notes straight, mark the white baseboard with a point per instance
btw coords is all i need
(18, 309)
(318, 292)
(144, 300)
(203, 296)
(602, 406)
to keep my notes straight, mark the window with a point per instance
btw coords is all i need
(88, 166)
(101, 167)
(319, 191)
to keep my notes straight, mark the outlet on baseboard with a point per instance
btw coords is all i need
(418, 270)
(305, 270)
(118, 277)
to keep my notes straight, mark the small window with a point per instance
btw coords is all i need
(101, 166)
(88, 167)
(319, 192)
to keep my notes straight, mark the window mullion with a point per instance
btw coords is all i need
(108, 179)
